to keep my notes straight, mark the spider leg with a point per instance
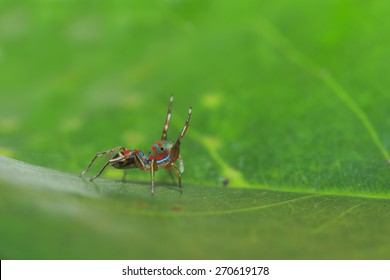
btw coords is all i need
(99, 155)
(186, 125)
(181, 167)
(177, 175)
(153, 168)
(152, 177)
(170, 173)
(139, 163)
(110, 161)
(175, 152)
(167, 120)
(124, 175)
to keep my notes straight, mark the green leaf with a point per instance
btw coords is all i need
(54, 215)
(289, 137)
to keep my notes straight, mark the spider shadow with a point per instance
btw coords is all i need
(171, 186)
(105, 185)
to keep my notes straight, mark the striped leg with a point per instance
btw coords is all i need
(167, 120)
(176, 148)
(117, 149)
(186, 125)
(111, 161)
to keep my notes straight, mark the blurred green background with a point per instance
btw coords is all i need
(287, 96)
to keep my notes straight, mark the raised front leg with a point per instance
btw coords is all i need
(167, 120)
(175, 152)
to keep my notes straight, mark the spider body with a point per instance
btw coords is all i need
(163, 153)
(129, 160)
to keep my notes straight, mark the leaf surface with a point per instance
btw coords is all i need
(57, 215)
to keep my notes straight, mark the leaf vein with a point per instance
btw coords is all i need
(338, 217)
(279, 41)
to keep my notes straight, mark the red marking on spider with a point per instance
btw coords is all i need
(158, 157)
(125, 152)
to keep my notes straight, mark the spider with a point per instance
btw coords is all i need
(163, 153)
